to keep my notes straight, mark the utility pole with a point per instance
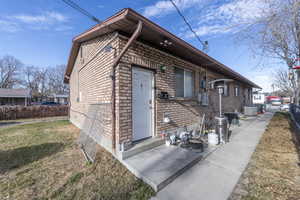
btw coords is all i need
(297, 81)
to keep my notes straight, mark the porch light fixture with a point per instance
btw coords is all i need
(166, 118)
(165, 43)
(163, 68)
(108, 48)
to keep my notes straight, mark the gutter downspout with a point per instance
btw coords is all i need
(113, 76)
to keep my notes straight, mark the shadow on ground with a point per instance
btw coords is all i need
(8, 123)
(19, 157)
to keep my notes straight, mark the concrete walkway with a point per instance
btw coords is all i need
(215, 177)
(11, 123)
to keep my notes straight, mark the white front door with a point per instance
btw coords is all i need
(142, 103)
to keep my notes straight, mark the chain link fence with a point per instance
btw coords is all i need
(97, 123)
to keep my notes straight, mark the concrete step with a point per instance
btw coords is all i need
(161, 165)
(143, 146)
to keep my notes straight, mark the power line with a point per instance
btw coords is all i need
(81, 10)
(205, 43)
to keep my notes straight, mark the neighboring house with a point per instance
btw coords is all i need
(259, 97)
(127, 74)
(15, 96)
(59, 98)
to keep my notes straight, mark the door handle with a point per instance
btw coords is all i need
(150, 102)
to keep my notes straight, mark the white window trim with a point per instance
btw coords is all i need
(236, 91)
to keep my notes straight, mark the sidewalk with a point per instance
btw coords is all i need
(215, 177)
(10, 123)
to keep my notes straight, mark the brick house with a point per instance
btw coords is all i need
(127, 74)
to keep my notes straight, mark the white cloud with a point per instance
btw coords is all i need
(7, 26)
(211, 17)
(46, 18)
(239, 11)
(46, 21)
(63, 28)
(212, 30)
(164, 7)
(230, 17)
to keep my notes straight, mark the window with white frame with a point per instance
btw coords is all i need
(184, 86)
(236, 91)
(226, 91)
(257, 97)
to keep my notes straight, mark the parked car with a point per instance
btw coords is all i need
(285, 107)
(50, 103)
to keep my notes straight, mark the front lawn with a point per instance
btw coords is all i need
(42, 161)
(274, 169)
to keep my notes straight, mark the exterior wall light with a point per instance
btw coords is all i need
(108, 48)
(163, 68)
(166, 118)
(165, 43)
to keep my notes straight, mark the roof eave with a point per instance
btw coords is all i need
(132, 15)
(85, 36)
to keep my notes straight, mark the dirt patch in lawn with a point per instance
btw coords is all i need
(274, 170)
(42, 161)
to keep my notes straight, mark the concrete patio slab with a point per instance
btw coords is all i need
(163, 164)
(215, 177)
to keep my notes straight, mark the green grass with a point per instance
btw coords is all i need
(42, 161)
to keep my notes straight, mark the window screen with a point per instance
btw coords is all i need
(226, 90)
(184, 83)
(179, 76)
(188, 84)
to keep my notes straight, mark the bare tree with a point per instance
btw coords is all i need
(9, 71)
(56, 80)
(275, 34)
(282, 81)
(36, 79)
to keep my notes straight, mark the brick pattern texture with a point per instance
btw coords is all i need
(90, 83)
(183, 112)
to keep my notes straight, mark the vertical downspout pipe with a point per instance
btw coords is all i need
(113, 76)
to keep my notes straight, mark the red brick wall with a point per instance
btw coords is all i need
(181, 111)
(93, 80)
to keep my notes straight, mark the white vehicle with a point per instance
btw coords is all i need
(285, 107)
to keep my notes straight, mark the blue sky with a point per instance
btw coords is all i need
(39, 32)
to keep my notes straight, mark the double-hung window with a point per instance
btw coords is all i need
(236, 91)
(226, 91)
(184, 83)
